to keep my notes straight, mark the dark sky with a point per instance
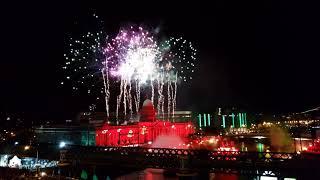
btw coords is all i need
(260, 56)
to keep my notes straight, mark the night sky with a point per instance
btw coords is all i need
(261, 57)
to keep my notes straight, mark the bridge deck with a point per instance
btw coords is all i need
(196, 160)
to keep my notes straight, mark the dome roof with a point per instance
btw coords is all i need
(147, 102)
(147, 112)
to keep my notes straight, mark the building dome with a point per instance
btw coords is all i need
(147, 102)
(147, 112)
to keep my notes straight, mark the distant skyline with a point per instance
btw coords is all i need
(262, 58)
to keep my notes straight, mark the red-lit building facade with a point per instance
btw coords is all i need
(143, 132)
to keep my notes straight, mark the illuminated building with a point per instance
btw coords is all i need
(92, 131)
(143, 132)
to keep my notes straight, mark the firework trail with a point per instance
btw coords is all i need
(160, 105)
(152, 91)
(159, 94)
(125, 97)
(169, 96)
(137, 96)
(174, 103)
(130, 98)
(106, 89)
(119, 97)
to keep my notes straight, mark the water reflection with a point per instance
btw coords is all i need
(147, 174)
(159, 174)
(262, 145)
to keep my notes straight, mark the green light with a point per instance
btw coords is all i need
(260, 147)
(205, 120)
(232, 120)
(245, 119)
(84, 175)
(223, 121)
(209, 120)
(95, 177)
(240, 123)
(199, 117)
(242, 119)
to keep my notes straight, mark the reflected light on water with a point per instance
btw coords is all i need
(268, 178)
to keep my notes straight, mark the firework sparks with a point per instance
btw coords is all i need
(179, 56)
(133, 55)
(83, 68)
(134, 58)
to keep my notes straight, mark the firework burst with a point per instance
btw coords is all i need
(133, 59)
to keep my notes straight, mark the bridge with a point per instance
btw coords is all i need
(187, 160)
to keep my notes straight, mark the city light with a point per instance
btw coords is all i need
(199, 118)
(259, 137)
(223, 121)
(233, 125)
(62, 144)
(43, 174)
(212, 140)
(26, 147)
